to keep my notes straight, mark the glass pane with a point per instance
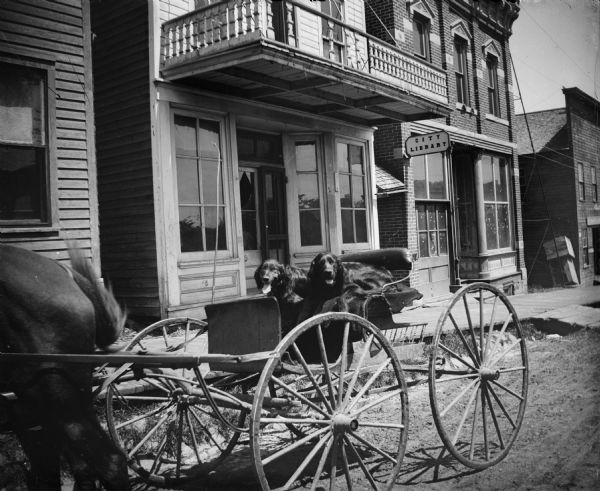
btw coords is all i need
(431, 211)
(308, 191)
(437, 177)
(190, 229)
(419, 176)
(503, 226)
(421, 217)
(347, 227)
(487, 176)
(310, 227)
(418, 37)
(345, 195)
(214, 217)
(342, 157)
(188, 191)
(358, 192)
(491, 231)
(185, 135)
(356, 159)
(501, 181)
(441, 216)
(433, 250)
(211, 189)
(423, 246)
(247, 190)
(306, 156)
(249, 230)
(209, 138)
(22, 183)
(443, 243)
(22, 104)
(360, 217)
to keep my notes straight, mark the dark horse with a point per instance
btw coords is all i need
(46, 307)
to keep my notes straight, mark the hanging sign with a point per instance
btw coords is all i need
(428, 143)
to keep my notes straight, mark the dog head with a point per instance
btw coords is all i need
(268, 274)
(326, 272)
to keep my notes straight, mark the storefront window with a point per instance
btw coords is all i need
(309, 199)
(429, 175)
(200, 185)
(494, 173)
(352, 182)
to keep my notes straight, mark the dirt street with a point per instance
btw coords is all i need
(558, 446)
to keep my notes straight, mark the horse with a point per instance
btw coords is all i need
(47, 307)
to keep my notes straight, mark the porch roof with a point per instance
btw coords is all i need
(386, 183)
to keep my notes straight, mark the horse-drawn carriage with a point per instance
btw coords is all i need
(184, 393)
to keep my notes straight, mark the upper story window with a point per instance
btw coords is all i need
(421, 27)
(581, 182)
(24, 144)
(200, 189)
(461, 47)
(430, 179)
(353, 184)
(492, 80)
(594, 185)
(494, 176)
(331, 31)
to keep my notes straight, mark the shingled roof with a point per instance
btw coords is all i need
(386, 183)
(544, 126)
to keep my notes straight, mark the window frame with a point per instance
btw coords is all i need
(423, 35)
(461, 50)
(226, 179)
(427, 187)
(581, 180)
(339, 44)
(594, 180)
(585, 248)
(491, 63)
(50, 221)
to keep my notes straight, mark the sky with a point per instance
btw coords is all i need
(555, 44)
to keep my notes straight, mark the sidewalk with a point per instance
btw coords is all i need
(555, 309)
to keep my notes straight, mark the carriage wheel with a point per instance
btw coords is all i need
(159, 417)
(333, 399)
(478, 376)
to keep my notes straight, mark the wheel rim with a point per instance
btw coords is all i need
(349, 413)
(159, 417)
(478, 377)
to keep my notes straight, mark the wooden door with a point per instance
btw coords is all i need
(434, 252)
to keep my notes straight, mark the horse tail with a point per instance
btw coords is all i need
(110, 317)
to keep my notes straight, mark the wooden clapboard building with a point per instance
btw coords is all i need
(461, 209)
(232, 131)
(47, 148)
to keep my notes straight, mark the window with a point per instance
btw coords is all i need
(493, 94)
(594, 185)
(460, 68)
(494, 174)
(581, 180)
(309, 194)
(429, 173)
(585, 249)
(24, 144)
(352, 182)
(332, 32)
(421, 36)
(200, 184)
(249, 204)
(432, 229)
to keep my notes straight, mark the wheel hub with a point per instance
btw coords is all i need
(343, 422)
(489, 374)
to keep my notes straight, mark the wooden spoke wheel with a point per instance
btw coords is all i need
(478, 376)
(159, 416)
(332, 401)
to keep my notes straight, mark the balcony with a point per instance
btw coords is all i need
(289, 54)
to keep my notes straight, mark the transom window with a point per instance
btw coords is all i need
(421, 27)
(493, 94)
(352, 181)
(429, 173)
(460, 69)
(494, 173)
(200, 184)
(24, 147)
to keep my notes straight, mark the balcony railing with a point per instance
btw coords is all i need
(230, 23)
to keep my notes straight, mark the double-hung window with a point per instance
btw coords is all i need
(200, 191)
(581, 182)
(421, 26)
(496, 195)
(24, 144)
(461, 47)
(353, 184)
(332, 30)
(492, 79)
(594, 185)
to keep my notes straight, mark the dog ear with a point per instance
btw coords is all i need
(339, 271)
(313, 265)
(257, 277)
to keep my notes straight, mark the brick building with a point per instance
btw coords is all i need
(461, 208)
(560, 164)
